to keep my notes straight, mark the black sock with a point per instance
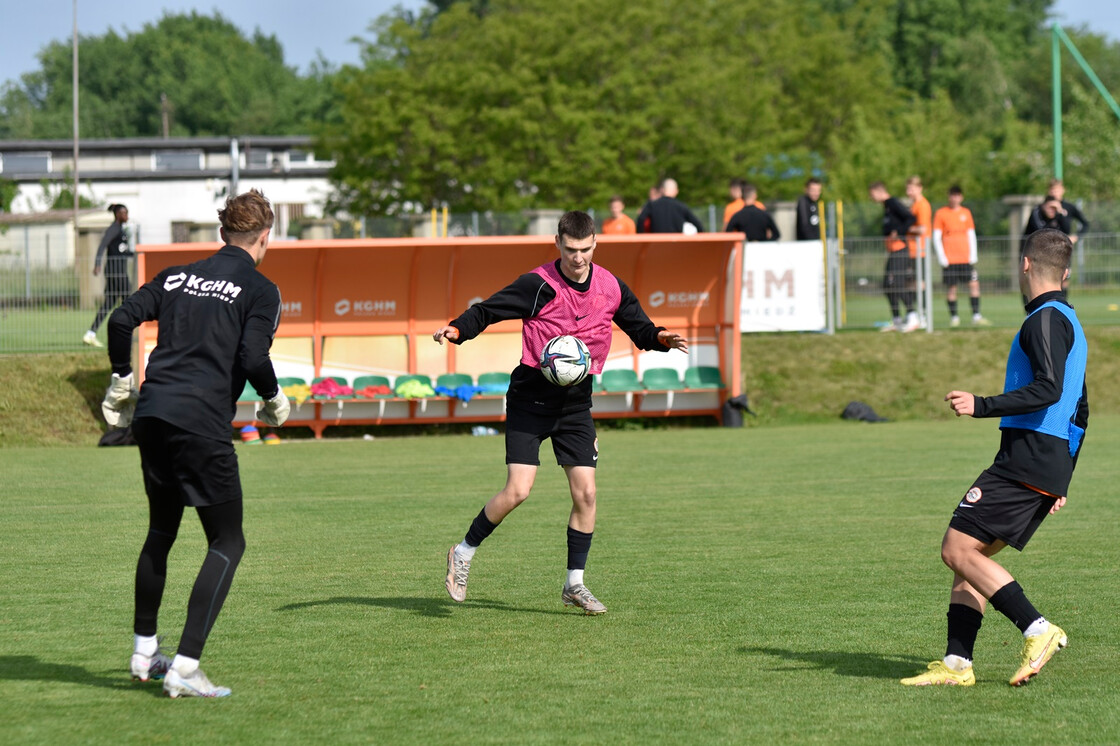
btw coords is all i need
(975, 306)
(481, 527)
(579, 544)
(1013, 604)
(952, 308)
(964, 624)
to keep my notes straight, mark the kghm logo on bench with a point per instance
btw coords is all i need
(346, 306)
(203, 288)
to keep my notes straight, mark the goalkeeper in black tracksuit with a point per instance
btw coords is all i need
(217, 318)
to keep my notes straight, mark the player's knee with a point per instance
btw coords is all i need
(585, 496)
(231, 545)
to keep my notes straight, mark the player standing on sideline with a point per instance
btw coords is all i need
(808, 212)
(735, 193)
(898, 276)
(1067, 212)
(216, 320)
(954, 240)
(753, 220)
(619, 223)
(1044, 410)
(568, 296)
(667, 214)
(917, 240)
(117, 250)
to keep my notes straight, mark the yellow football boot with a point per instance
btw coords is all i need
(1037, 650)
(940, 674)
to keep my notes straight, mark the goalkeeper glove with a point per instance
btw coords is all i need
(119, 402)
(275, 411)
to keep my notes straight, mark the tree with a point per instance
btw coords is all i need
(218, 82)
(521, 106)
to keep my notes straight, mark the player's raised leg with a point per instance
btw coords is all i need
(581, 528)
(519, 482)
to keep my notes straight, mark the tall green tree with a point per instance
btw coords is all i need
(217, 81)
(534, 104)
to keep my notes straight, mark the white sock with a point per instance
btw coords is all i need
(575, 577)
(184, 665)
(957, 663)
(1038, 626)
(146, 645)
(465, 551)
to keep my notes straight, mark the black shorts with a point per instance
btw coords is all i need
(958, 274)
(899, 273)
(997, 508)
(179, 465)
(573, 437)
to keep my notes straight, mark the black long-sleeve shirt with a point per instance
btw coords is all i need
(756, 223)
(216, 320)
(666, 215)
(1033, 458)
(523, 299)
(808, 219)
(1072, 212)
(897, 218)
(114, 247)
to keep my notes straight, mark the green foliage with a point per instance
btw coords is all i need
(523, 107)
(8, 191)
(217, 82)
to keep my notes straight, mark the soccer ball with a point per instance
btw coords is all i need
(565, 361)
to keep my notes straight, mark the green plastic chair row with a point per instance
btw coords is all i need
(659, 379)
(450, 380)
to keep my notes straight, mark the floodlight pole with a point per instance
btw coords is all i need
(75, 85)
(1056, 91)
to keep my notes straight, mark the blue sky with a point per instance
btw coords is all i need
(302, 27)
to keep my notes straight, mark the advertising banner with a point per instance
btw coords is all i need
(783, 287)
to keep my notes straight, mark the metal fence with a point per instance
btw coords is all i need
(48, 301)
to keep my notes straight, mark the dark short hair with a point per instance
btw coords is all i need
(812, 180)
(116, 206)
(749, 188)
(575, 224)
(616, 198)
(955, 189)
(1050, 249)
(876, 185)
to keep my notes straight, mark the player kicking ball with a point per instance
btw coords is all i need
(1044, 411)
(571, 296)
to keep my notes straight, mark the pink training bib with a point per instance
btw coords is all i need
(585, 315)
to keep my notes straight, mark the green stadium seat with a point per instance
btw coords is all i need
(414, 377)
(662, 379)
(291, 381)
(362, 381)
(620, 381)
(337, 379)
(454, 380)
(493, 379)
(703, 377)
(596, 384)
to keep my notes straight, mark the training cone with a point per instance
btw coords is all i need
(250, 435)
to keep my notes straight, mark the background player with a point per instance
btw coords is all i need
(898, 276)
(210, 341)
(117, 250)
(954, 240)
(808, 211)
(569, 296)
(1044, 410)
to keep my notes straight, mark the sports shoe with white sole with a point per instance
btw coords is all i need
(176, 685)
(90, 338)
(457, 571)
(145, 667)
(1037, 650)
(578, 595)
(954, 321)
(912, 324)
(939, 674)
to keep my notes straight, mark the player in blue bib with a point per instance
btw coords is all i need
(1043, 413)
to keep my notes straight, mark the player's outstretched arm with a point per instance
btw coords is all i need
(962, 403)
(446, 332)
(672, 340)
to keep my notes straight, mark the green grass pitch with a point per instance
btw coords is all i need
(764, 585)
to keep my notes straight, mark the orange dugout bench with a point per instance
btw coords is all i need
(361, 313)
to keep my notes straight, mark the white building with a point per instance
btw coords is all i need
(173, 187)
